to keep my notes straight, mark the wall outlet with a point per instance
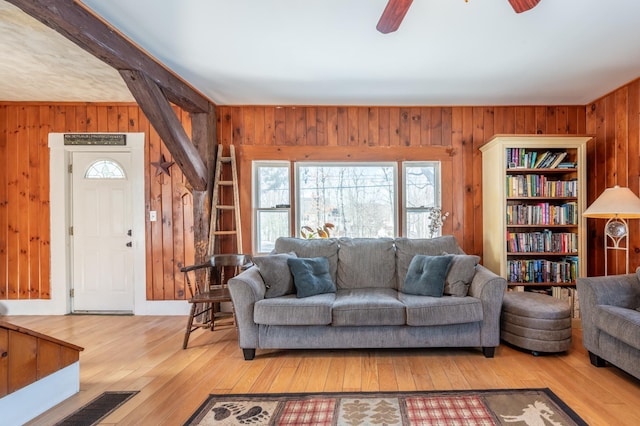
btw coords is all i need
(153, 216)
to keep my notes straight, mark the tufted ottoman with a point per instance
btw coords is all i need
(536, 322)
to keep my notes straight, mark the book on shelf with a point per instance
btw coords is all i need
(557, 160)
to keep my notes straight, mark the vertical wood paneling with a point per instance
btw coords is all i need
(12, 243)
(24, 196)
(613, 158)
(4, 208)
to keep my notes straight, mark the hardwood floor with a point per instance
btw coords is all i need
(144, 353)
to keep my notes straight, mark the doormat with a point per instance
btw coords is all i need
(468, 407)
(97, 409)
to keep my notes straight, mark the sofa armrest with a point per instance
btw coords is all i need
(489, 288)
(615, 290)
(246, 289)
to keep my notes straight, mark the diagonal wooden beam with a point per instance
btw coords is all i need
(78, 24)
(161, 115)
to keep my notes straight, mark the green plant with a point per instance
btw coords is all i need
(323, 231)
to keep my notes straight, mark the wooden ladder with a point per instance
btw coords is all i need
(221, 225)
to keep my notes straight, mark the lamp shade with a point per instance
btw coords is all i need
(615, 202)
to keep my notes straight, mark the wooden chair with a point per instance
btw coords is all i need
(208, 293)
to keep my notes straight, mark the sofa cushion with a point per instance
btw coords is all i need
(425, 310)
(367, 306)
(366, 262)
(463, 268)
(311, 276)
(406, 248)
(289, 310)
(621, 323)
(320, 247)
(426, 275)
(275, 273)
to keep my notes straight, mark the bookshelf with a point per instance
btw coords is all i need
(534, 193)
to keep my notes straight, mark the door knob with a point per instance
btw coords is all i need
(129, 244)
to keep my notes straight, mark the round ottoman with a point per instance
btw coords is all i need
(536, 322)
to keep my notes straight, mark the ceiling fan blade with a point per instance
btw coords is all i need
(523, 5)
(393, 15)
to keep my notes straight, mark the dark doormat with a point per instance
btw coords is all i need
(97, 409)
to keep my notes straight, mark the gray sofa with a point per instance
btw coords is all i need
(609, 308)
(368, 308)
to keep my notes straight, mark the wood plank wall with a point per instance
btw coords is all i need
(24, 196)
(614, 159)
(452, 134)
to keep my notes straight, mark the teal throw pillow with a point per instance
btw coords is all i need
(311, 276)
(426, 275)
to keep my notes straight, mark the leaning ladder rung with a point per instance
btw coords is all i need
(230, 207)
(225, 182)
(225, 159)
(225, 232)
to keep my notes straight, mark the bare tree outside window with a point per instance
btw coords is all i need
(358, 199)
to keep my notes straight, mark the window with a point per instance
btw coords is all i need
(359, 199)
(272, 203)
(421, 196)
(105, 169)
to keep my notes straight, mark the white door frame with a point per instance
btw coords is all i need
(61, 208)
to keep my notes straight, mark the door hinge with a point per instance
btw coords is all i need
(72, 293)
(70, 168)
(71, 230)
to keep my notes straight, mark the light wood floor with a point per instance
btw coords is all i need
(144, 353)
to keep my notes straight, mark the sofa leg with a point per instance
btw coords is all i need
(488, 351)
(596, 360)
(249, 354)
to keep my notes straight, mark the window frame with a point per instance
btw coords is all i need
(437, 196)
(293, 211)
(256, 209)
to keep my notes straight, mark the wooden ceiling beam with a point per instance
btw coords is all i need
(74, 21)
(158, 110)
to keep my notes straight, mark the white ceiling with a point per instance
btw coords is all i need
(328, 52)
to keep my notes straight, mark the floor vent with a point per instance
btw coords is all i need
(97, 409)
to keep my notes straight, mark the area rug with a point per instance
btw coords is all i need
(474, 407)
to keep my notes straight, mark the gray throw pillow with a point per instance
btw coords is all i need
(276, 274)
(426, 275)
(461, 273)
(311, 276)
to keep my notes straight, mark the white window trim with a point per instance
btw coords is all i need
(438, 186)
(254, 197)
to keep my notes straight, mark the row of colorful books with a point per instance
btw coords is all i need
(522, 158)
(544, 241)
(525, 271)
(539, 186)
(542, 214)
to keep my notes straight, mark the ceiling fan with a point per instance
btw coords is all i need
(396, 9)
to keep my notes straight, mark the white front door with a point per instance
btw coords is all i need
(102, 224)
